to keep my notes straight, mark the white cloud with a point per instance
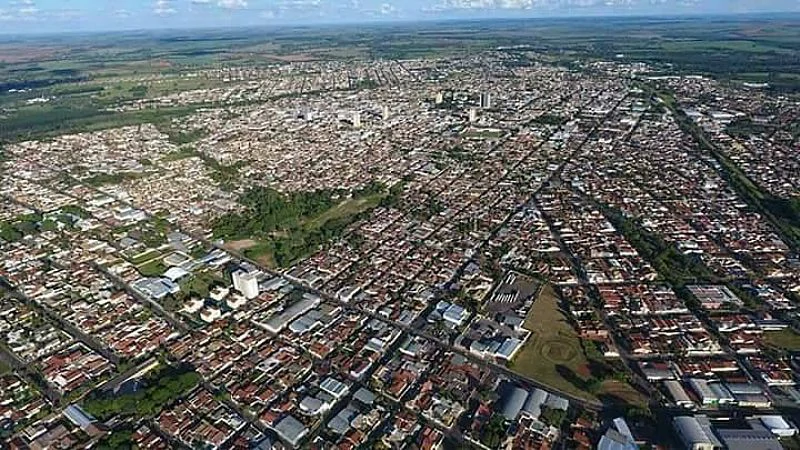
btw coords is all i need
(388, 9)
(447, 5)
(26, 8)
(164, 8)
(232, 4)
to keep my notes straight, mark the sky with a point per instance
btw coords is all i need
(36, 16)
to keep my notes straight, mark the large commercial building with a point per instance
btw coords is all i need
(695, 433)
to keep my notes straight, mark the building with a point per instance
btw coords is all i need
(291, 430)
(695, 433)
(778, 426)
(486, 100)
(82, 419)
(246, 283)
(357, 119)
(678, 394)
(757, 437)
(155, 288)
(439, 98)
(473, 115)
(618, 437)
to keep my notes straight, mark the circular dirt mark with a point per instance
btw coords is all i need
(558, 352)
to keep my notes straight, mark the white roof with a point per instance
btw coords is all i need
(775, 423)
(175, 273)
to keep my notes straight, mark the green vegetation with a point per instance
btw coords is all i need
(282, 228)
(786, 340)
(145, 256)
(117, 440)
(554, 345)
(494, 432)
(187, 137)
(784, 214)
(557, 356)
(15, 230)
(553, 417)
(671, 264)
(550, 119)
(76, 211)
(154, 268)
(199, 284)
(744, 128)
(115, 178)
(225, 175)
(182, 153)
(43, 121)
(162, 388)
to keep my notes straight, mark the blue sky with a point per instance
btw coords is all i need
(87, 15)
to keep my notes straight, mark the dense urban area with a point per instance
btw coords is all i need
(501, 247)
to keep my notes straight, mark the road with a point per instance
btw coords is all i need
(581, 402)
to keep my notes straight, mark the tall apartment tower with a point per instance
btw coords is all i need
(246, 283)
(486, 100)
(357, 119)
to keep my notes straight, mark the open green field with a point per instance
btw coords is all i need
(555, 356)
(200, 283)
(347, 208)
(145, 256)
(785, 339)
(554, 349)
(152, 268)
(283, 247)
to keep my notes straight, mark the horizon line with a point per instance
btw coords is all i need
(4, 36)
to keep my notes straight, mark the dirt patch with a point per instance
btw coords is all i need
(240, 245)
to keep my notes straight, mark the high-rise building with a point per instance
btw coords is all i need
(473, 115)
(386, 114)
(246, 283)
(439, 98)
(357, 119)
(486, 100)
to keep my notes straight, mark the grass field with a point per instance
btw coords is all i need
(145, 256)
(262, 251)
(555, 356)
(554, 349)
(619, 392)
(345, 209)
(785, 339)
(200, 283)
(153, 268)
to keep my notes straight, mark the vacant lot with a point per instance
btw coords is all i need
(553, 354)
(785, 339)
(347, 208)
